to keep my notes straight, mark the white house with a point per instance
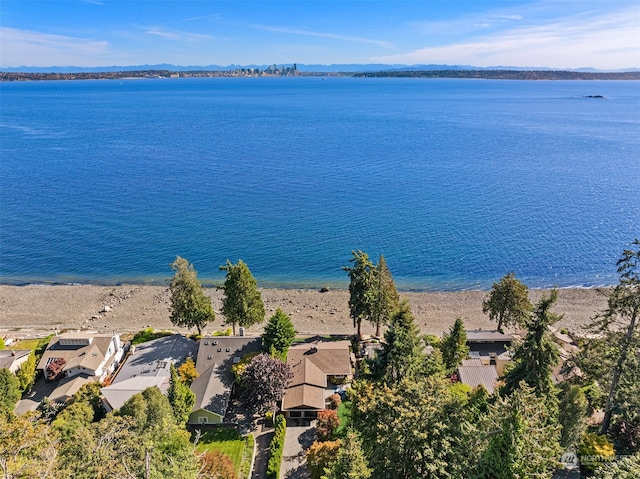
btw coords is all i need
(84, 353)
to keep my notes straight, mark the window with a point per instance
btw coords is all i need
(295, 413)
(203, 420)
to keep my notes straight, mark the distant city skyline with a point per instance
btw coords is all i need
(561, 34)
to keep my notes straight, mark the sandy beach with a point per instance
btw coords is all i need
(35, 310)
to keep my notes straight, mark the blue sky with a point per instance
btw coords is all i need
(603, 34)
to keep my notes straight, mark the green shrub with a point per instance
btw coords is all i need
(226, 332)
(147, 335)
(276, 448)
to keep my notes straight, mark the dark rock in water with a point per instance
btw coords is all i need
(324, 290)
(593, 96)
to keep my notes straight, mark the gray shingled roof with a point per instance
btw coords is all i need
(154, 358)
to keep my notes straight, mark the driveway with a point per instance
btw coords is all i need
(300, 435)
(30, 402)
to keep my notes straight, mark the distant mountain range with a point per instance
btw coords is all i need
(334, 68)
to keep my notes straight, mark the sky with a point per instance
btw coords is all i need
(601, 34)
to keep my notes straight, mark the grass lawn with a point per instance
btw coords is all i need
(344, 414)
(24, 344)
(227, 441)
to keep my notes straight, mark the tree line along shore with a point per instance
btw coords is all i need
(411, 408)
(249, 72)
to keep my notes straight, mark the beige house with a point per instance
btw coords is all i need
(87, 354)
(13, 359)
(319, 368)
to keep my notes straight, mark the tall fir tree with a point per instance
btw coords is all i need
(242, 303)
(361, 277)
(454, 346)
(402, 355)
(278, 334)
(384, 297)
(181, 397)
(618, 323)
(190, 307)
(538, 354)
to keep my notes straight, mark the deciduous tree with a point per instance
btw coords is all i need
(416, 429)
(265, 379)
(190, 307)
(242, 302)
(327, 423)
(187, 372)
(27, 448)
(320, 455)
(508, 302)
(278, 334)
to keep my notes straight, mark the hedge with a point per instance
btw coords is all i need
(276, 448)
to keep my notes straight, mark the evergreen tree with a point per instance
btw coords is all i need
(9, 392)
(454, 346)
(508, 302)
(402, 356)
(27, 372)
(242, 302)
(572, 414)
(180, 397)
(361, 278)
(278, 334)
(350, 462)
(535, 357)
(522, 438)
(619, 323)
(190, 307)
(384, 297)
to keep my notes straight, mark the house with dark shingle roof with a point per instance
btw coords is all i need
(214, 386)
(317, 366)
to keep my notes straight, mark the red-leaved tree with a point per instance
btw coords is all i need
(54, 369)
(328, 422)
(265, 379)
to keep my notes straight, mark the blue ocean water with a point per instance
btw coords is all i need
(456, 182)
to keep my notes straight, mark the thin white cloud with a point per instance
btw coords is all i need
(162, 33)
(333, 36)
(176, 34)
(604, 41)
(20, 47)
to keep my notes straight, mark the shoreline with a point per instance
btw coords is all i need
(36, 309)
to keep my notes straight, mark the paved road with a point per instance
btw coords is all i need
(299, 437)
